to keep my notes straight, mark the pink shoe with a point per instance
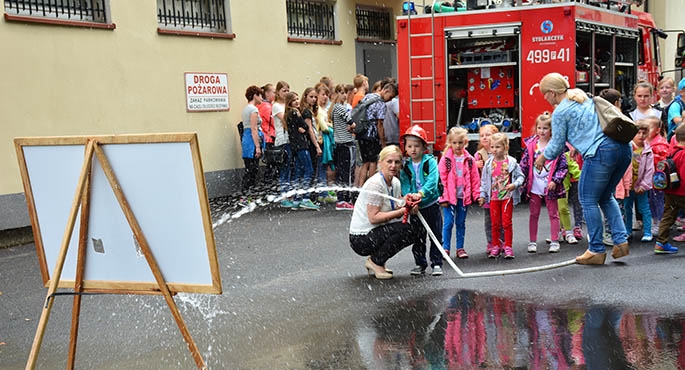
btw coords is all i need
(494, 252)
(461, 253)
(508, 252)
(578, 232)
(488, 249)
(679, 238)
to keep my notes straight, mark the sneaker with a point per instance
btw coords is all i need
(286, 204)
(578, 232)
(461, 253)
(646, 238)
(679, 238)
(308, 204)
(680, 221)
(437, 271)
(296, 206)
(508, 252)
(447, 252)
(570, 238)
(665, 248)
(607, 240)
(494, 251)
(488, 249)
(532, 247)
(343, 206)
(418, 270)
(554, 247)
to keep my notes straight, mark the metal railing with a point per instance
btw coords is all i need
(374, 24)
(202, 15)
(311, 19)
(79, 10)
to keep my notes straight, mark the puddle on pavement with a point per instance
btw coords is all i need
(470, 330)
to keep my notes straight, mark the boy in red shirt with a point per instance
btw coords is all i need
(675, 198)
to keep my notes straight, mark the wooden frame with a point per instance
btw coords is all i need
(46, 248)
(83, 204)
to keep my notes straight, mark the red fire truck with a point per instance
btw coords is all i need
(483, 66)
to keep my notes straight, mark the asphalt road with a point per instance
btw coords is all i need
(297, 297)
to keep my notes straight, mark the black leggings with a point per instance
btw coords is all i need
(385, 241)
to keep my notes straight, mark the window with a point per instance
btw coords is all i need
(208, 16)
(311, 19)
(374, 24)
(65, 10)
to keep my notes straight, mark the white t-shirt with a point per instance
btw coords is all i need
(374, 192)
(281, 134)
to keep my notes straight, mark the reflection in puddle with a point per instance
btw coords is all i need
(479, 331)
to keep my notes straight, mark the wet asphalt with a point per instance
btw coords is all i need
(295, 296)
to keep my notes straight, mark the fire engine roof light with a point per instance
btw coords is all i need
(408, 7)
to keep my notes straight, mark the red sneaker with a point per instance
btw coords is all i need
(494, 251)
(578, 233)
(508, 252)
(461, 253)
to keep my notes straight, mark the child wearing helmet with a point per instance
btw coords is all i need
(420, 178)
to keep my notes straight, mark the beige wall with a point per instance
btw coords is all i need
(60, 80)
(668, 15)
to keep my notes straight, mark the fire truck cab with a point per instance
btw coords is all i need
(483, 66)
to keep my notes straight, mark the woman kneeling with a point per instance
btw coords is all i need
(376, 229)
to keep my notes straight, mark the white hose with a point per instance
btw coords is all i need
(487, 273)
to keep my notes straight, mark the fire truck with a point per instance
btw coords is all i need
(482, 64)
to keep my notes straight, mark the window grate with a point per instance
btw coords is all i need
(79, 10)
(311, 19)
(203, 15)
(374, 24)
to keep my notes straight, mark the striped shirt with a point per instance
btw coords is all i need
(341, 117)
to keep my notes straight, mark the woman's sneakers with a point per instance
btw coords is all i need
(665, 248)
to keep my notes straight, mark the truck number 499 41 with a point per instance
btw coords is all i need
(545, 56)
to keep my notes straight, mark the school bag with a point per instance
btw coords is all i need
(666, 174)
(360, 117)
(441, 187)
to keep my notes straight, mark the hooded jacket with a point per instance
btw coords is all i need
(448, 176)
(557, 171)
(429, 182)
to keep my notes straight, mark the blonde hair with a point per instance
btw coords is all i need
(493, 130)
(545, 117)
(455, 133)
(557, 84)
(664, 81)
(500, 137)
(642, 124)
(655, 120)
(386, 151)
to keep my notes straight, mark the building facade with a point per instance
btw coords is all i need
(101, 67)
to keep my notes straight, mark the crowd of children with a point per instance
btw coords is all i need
(495, 180)
(324, 148)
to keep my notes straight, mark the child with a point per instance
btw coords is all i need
(298, 135)
(542, 184)
(459, 174)
(345, 150)
(643, 172)
(643, 92)
(656, 139)
(325, 169)
(675, 199)
(481, 156)
(420, 177)
(501, 176)
(571, 233)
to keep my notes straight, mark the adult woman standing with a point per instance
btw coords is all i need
(605, 161)
(376, 229)
(252, 137)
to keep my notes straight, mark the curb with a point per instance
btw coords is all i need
(15, 237)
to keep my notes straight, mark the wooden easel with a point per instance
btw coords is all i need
(82, 201)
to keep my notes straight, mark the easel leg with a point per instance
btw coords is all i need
(80, 266)
(54, 279)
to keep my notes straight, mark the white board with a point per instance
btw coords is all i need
(162, 179)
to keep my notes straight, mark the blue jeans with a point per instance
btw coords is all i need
(285, 170)
(642, 202)
(302, 174)
(601, 173)
(454, 216)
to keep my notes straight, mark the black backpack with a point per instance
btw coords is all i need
(360, 117)
(666, 174)
(664, 115)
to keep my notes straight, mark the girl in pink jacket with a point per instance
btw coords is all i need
(459, 175)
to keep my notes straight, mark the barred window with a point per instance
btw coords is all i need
(311, 19)
(69, 10)
(374, 23)
(194, 15)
